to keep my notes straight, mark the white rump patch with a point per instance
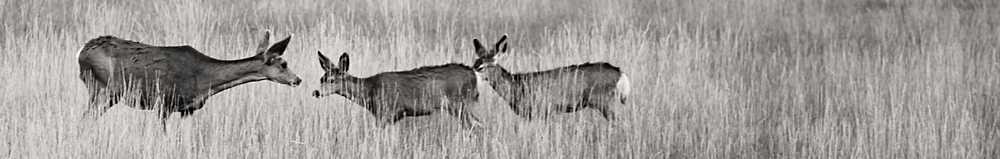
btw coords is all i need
(78, 52)
(624, 87)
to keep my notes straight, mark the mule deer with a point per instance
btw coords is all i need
(567, 89)
(179, 77)
(390, 96)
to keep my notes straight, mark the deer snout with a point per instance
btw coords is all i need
(316, 94)
(296, 82)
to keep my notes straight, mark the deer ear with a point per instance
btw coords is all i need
(325, 63)
(279, 48)
(345, 62)
(500, 55)
(503, 48)
(480, 50)
(265, 42)
(501, 41)
(276, 50)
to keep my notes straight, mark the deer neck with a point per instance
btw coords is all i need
(357, 90)
(504, 83)
(228, 74)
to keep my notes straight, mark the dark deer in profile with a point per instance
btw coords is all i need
(171, 78)
(567, 89)
(390, 96)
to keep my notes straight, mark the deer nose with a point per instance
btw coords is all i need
(296, 82)
(316, 94)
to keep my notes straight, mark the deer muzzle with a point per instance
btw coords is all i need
(317, 94)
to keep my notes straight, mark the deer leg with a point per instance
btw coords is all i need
(384, 119)
(91, 111)
(523, 111)
(526, 115)
(569, 108)
(605, 110)
(381, 123)
(459, 109)
(100, 101)
(399, 116)
(189, 109)
(608, 113)
(186, 113)
(603, 104)
(469, 121)
(164, 115)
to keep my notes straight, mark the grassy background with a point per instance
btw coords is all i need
(712, 79)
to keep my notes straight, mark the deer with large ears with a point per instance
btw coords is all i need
(567, 89)
(171, 78)
(390, 96)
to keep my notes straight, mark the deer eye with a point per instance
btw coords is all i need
(284, 65)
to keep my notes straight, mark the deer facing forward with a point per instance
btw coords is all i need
(566, 89)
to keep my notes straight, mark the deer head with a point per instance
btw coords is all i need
(336, 80)
(275, 68)
(486, 64)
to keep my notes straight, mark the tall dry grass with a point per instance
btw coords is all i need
(713, 79)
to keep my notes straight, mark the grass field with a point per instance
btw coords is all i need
(712, 79)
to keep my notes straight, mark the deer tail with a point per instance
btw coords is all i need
(623, 87)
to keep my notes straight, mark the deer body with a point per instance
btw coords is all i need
(567, 89)
(391, 96)
(178, 77)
